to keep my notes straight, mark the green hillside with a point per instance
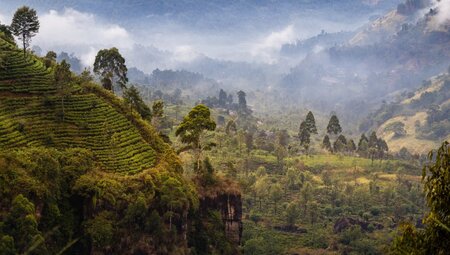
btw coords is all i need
(31, 115)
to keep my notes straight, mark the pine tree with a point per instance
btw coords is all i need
(311, 123)
(340, 144)
(351, 147)
(333, 126)
(305, 139)
(363, 146)
(222, 98)
(326, 144)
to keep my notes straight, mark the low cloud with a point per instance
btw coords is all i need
(442, 17)
(270, 45)
(82, 33)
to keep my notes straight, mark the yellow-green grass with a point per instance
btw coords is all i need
(332, 161)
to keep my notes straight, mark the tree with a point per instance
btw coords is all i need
(283, 138)
(63, 78)
(173, 195)
(25, 25)
(222, 98)
(363, 146)
(340, 145)
(326, 144)
(192, 127)
(281, 153)
(333, 126)
(306, 194)
(311, 123)
(304, 136)
(276, 194)
(292, 214)
(134, 99)
(242, 102)
(382, 148)
(50, 59)
(262, 186)
(22, 223)
(249, 142)
(231, 127)
(435, 237)
(158, 112)
(373, 145)
(351, 146)
(110, 64)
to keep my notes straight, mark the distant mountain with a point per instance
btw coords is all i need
(418, 121)
(322, 41)
(369, 68)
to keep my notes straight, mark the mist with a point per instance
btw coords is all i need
(322, 55)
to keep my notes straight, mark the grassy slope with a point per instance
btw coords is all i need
(412, 140)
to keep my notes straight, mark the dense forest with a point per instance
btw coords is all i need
(107, 159)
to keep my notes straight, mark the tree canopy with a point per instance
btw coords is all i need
(110, 64)
(333, 126)
(25, 25)
(192, 126)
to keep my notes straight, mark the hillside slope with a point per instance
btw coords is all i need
(418, 121)
(89, 176)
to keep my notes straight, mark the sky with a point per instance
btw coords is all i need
(251, 33)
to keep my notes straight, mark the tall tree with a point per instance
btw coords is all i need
(50, 59)
(292, 214)
(333, 126)
(311, 123)
(275, 194)
(242, 102)
(25, 25)
(363, 145)
(134, 99)
(340, 145)
(373, 146)
(223, 97)
(158, 112)
(249, 141)
(382, 148)
(63, 77)
(192, 127)
(351, 146)
(304, 136)
(110, 64)
(326, 144)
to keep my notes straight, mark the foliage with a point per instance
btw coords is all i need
(134, 99)
(25, 25)
(333, 126)
(110, 64)
(435, 238)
